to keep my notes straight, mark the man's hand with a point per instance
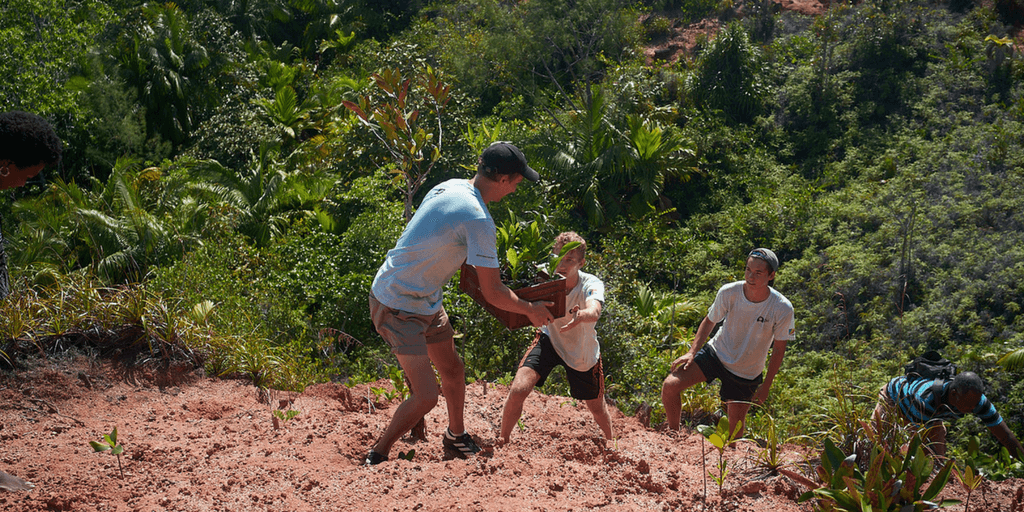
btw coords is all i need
(538, 314)
(761, 395)
(682, 362)
(575, 312)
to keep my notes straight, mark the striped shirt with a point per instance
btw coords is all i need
(919, 404)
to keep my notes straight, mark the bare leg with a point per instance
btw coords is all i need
(422, 398)
(599, 409)
(453, 382)
(737, 412)
(677, 382)
(522, 385)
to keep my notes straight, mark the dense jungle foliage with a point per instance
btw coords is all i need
(235, 171)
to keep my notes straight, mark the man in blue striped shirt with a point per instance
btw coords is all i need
(926, 402)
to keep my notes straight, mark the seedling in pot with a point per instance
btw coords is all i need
(527, 255)
(110, 443)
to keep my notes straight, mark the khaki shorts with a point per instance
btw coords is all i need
(408, 333)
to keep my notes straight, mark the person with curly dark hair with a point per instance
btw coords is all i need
(27, 145)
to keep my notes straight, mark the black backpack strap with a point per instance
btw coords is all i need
(936, 389)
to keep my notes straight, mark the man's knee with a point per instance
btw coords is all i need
(426, 398)
(597, 406)
(672, 385)
(526, 379)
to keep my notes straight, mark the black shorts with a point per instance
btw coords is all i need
(542, 358)
(734, 387)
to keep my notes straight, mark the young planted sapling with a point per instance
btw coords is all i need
(721, 438)
(281, 416)
(110, 443)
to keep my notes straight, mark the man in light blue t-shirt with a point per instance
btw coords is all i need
(451, 226)
(756, 319)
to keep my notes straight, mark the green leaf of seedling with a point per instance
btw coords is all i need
(118, 450)
(723, 425)
(99, 447)
(407, 455)
(717, 440)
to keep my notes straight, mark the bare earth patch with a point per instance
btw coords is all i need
(210, 444)
(682, 39)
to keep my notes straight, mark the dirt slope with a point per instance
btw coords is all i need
(209, 444)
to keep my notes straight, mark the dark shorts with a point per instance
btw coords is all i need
(734, 387)
(408, 333)
(542, 358)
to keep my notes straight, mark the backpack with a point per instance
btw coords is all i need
(930, 365)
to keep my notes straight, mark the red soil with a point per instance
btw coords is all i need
(198, 444)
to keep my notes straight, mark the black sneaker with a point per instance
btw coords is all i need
(461, 446)
(373, 458)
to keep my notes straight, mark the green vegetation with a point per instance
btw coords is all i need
(235, 173)
(110, 443)
(889, 482)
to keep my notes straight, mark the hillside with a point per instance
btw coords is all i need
(197, 444)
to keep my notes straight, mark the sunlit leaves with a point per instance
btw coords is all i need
(393, 114)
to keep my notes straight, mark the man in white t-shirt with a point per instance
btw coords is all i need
(756, 319)
(451, 226)
(569, 341)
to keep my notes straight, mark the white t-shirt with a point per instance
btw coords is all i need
(452, 225)
(743, 340)
(578, 346)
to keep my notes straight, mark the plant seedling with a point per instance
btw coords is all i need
(970, 478)
(770, 457)
(110, 443)
(721, 438)
(891, 481)
(407, 455)
(283, 416)
(555, 259)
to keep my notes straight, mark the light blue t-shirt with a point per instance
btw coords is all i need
(578, 346)
(743, 341)
(452, 225)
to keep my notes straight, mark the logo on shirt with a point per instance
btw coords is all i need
(761, 319)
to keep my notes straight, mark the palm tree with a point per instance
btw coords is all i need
(1013, 360)
(653, 156)
(170, 68)
(120, 237)
(264, 196)
(589, 149)
(606, 173)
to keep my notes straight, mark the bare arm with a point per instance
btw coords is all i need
(500, 296)
(591, 313)
(703, 331)
(1007, 439)
(778, 352)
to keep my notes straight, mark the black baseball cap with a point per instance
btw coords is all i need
(767, 255)
(505, 158)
